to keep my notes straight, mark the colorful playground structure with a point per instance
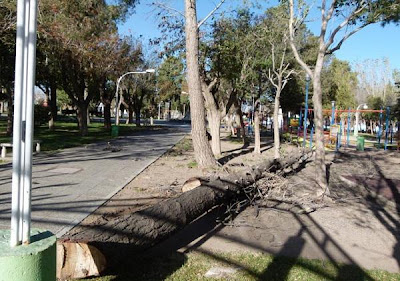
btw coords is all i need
(339, 126)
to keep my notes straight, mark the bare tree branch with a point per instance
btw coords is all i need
(210, 13)
(162, 6)
(343, 24)
(293, 46)
(338, 45)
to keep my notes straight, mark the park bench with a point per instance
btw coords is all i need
(4, 147)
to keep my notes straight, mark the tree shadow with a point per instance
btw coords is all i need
(381, 193)
(280, 267)
(245, 149)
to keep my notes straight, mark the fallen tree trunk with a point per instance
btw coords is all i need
(149, 226)
(143, 229)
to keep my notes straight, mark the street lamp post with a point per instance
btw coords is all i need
(364, 106)
(116, 92)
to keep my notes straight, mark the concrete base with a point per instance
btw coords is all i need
(33, 262)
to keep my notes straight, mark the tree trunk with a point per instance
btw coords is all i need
(229, 124)
(213, 116)
(140, 230)
(118, 111)
(88, 116)
(53, 105)
(130, 114)
(82, 115)
(242, 126)
(371, 127)
(9, 112)
(257, 139)
(137, 117)
(320, 167)
(214, 121)
(203, 152)
(107, 114)
(169, 111)
(277, 141)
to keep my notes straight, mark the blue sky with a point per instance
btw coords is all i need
(373, 42)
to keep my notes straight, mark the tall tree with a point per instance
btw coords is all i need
(352, 15)
(375, 79)
(339, 84)
(203, 153)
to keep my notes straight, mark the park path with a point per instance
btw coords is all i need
(70, 184)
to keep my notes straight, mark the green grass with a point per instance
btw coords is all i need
(192, 164)
(251, 267)
(66, 134)
(185, 145)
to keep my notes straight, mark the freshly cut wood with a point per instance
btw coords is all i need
(190, 184)
(78, 260)
(141, 230)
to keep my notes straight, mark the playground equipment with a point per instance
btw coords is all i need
(337, 129)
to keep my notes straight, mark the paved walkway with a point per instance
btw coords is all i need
(71, 184)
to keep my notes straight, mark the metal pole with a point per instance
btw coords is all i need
(23, 124)
(27, 185)
(17, 130)
(305, 112)
(25, 65)
(333, 113)
(116, 102)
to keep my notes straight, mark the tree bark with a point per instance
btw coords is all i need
(130, 114)
(320, 167)
(53, 105)
(277, 141)
(106, 100)
(203, 152)
(214, 121)
(137, 117)
(213, 116)
(82, 115)
(241, 122)
(145, 228)
(107, 113)
(229, 123)
(257, 138)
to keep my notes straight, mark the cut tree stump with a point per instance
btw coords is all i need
(190, 184)
(78, 260)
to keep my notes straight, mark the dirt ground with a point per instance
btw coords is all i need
(359, 224)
